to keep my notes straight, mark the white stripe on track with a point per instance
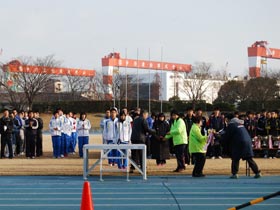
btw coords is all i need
(124, 205)
(135, 193)
(100, 199)
(133, 188)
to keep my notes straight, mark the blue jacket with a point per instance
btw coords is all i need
(237, 142)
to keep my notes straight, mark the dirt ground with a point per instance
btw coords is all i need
(73, 165)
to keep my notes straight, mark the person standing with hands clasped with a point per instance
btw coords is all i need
(83, 128)
(197, 143)
(160, 148)
(55, 126)
(179, 134)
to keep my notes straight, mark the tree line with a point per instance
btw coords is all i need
(252, 94)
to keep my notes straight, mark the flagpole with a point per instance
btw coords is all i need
(161, 79)
(149, 82)
(126, 77)
(137, 78)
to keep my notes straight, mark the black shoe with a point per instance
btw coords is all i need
(178, 170)
(199, 175)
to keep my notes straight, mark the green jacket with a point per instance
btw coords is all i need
(178, 132)
(197, 141)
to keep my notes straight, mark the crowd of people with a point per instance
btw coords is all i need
(185, 136)
(188, 136)
(21, 133)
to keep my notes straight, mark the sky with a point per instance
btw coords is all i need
(80, 33)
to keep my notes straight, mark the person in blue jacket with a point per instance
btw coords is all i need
(237, 143)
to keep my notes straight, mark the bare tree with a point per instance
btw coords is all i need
(8, 88)
(195, 84)
(98, 88)
(78, 85)
(32, 84)
(274, 73)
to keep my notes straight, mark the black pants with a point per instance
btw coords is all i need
(137, 156)
(6, 139)
(30, 144)
(180, 155)
(199, 162)
(18, 142)
(215, 150)
(251, 162)
(39, 144)
(187, 155)
(148, 144)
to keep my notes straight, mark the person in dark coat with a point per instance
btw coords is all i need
(140, 130)
(39, 139)
(237, 143)
(6, 130)
(160, 147)
(216, 123)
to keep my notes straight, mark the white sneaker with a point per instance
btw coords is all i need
(213, 158)
(62, 156)
(220, 157)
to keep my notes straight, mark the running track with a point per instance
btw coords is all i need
(157, 193)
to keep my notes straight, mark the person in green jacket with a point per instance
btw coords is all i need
(179, 135)
(197, 144)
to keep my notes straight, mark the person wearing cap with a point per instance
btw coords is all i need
(197, 143)
(238, 144)
(160, 146)
(179, 134)
(110, 134)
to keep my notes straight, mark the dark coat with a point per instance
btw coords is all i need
(8, 122)
(139, 131)
(159, 147)
(237, 142)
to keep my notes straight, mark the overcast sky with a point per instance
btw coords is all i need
(80, 33)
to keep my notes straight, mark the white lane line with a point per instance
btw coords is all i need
(134, 193)
(133, 188)
(125, 205)
(158, 198)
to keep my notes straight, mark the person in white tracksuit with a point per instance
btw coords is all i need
(55, 129)
(110, 134)
(73, 140)
(83, 127)
(125, 129)
(67, 130)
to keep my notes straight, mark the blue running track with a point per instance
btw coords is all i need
(157, 193)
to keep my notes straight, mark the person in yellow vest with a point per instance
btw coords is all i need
(197, 143)
(178, 133)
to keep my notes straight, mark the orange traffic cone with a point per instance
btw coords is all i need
(86, 203)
